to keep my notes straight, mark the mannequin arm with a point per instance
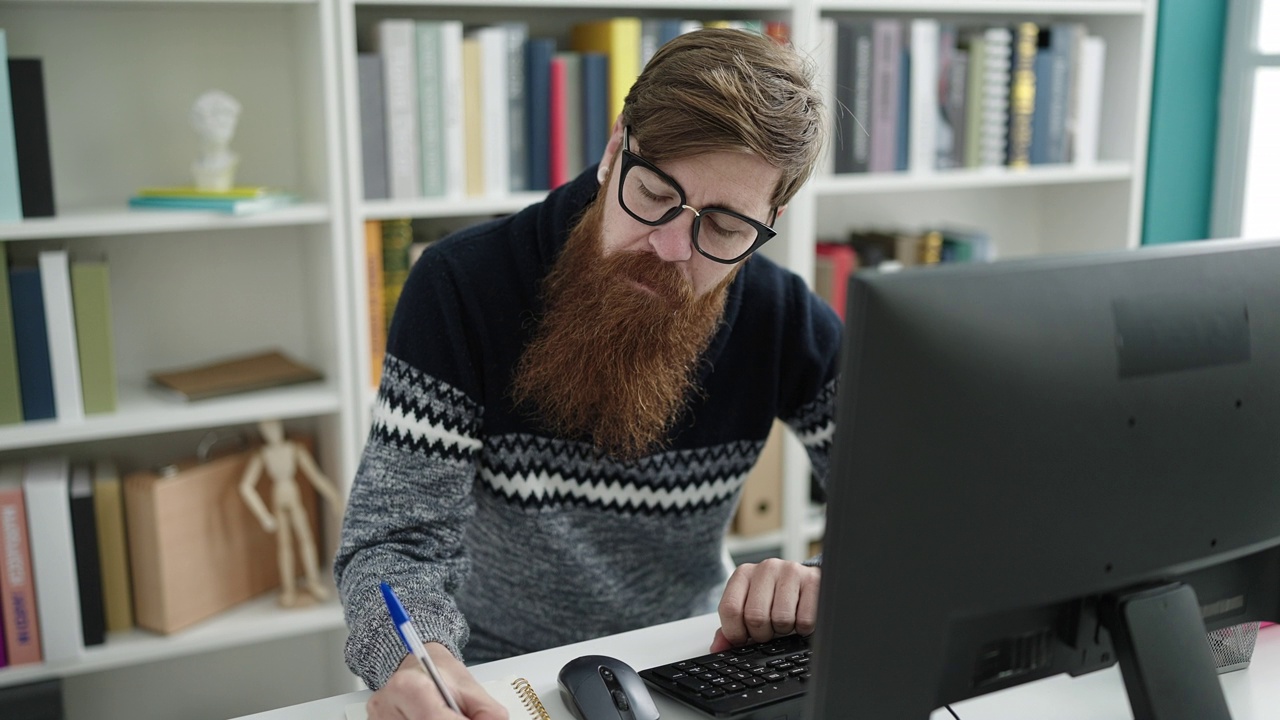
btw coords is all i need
(321, 483)
(250, 494)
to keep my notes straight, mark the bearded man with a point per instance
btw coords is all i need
(573, 395)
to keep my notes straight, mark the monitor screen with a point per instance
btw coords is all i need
(1050, 466)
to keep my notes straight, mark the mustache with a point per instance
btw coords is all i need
(654, 273)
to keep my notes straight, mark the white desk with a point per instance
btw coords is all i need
(1252, 694)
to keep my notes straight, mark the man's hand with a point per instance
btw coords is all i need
(766, 600)
(410, 693)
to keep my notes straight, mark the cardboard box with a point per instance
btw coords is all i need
(194, 546)
(760, 507)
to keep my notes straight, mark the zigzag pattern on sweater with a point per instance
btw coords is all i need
(422, 414)
(815, 422)
(539, 473)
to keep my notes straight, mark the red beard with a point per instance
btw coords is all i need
(611, 362)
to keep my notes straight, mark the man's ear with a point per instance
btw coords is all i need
(778, 215)
(610, 149)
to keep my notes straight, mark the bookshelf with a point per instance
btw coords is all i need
(189, 287)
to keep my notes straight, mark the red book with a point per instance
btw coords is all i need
(558, 145)
(843, 261)
(17, 588)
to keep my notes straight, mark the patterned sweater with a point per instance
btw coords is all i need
(501, 540)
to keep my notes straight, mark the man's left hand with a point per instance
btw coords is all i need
(766, 600)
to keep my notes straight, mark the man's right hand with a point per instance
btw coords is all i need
(410, 693)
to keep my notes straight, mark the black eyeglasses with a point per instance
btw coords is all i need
(652, 197)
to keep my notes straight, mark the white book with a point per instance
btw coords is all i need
(455, 138)
(495, 109)
(46, 491)
(923, 121)
(1091, 70)
(60, 321)
(397, 44)
(828, 61)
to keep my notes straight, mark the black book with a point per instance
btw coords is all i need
(33, 701)
(84, 530)
(31, 133)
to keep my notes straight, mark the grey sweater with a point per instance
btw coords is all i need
(500, 539)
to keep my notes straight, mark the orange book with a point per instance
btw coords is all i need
(619, 38)
(18, 600)
(376, 299)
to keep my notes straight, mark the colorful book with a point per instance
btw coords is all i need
(17, 586)
(619, 38)
(840, 261)
(10, 388)
(228, 206)
(113, 550)
(1022, 93)
(558, 139)
(31, 134)
(84, 534)
(243, 192)
(373, 128)
(91, 297)
(537, 68)
(397, 236)
(575, 161)
(46, 489)
(376, 299)
(10, 184)
(31, 336)
(60, 321)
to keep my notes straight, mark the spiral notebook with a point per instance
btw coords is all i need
(515, 694)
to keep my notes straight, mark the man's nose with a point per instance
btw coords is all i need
(673, 241)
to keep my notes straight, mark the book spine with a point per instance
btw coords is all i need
(517, 34)
(538, 54)
(973, 103)
(844, 121)
(31, 135)
(495, 110)
(595, 106)
(10, 387)
(64, 356)
(378, 318)
(558, 140)
(45, 489)
(399, 83)
(91, 296)
(830, 71)
(451, 105)
(430, 112)
(35, 374)
(17, 586)
(397, 236)
(1064, 42)
(473, 114)
(575, 162)
(1042, 68)
(84, 533)
(10, 184)
(862, 113)
(1022, 94)
(886, 66)
(1093, 52)
(997, 55)
(113, 552)
(373, 129)
(923, 123)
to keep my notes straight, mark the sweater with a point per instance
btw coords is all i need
(501, 539)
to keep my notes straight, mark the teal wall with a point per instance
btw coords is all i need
(1184, 120)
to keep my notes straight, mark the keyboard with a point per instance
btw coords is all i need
(761, 681)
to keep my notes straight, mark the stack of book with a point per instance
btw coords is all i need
(236, 201)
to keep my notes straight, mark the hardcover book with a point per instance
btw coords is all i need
(113, 552)
(241, 374)
(17, 586)
(31, 134)
(46, 490)
(10, 389)
(35, 374)
(10, 193)
(84, 533)
(91, 296)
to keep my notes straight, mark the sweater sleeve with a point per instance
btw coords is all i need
(809, 390)
(411, 499)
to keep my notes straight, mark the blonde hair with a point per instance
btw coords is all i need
(719, 89)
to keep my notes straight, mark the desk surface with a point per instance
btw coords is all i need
(1252, 694)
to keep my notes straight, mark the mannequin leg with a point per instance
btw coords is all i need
(307, 546)
(284, 554)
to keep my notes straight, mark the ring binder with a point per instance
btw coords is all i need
(531, 701)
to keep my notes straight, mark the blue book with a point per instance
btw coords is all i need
(35, 372)
(1043, 68)
(596, 122)
(903, 148)
(10, 195)
(229, 206)
(537, 68)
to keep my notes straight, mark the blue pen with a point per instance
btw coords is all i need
(409, 636)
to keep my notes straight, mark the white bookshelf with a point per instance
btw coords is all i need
(190, 287)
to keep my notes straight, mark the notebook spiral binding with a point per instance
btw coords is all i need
(531, 701)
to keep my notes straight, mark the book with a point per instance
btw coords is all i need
(31, 338)
(1083, 129)
(430, 108)
(922, 143)
(997, 58)
(558, 140)
(619, 38)
(376, 299)
(973, 100)
(247, 373)
(91, 298)
(575, 161)
(40, 700)
(84, 534)
(595, 106)
(373, 129)
(886, 90)
(396, 42)
(10, 183)
(242, 192)
(495, 110)
(397, 236)
(31, 134)
(514, 693)
(59, 315)
(113, 550)
(843, 261)
(17, 586)
(46, 489)
(224, 205)
(10, 389)
(1022, 94)
(473, 113)
(455, 134)
(537, 68)
(517, 34)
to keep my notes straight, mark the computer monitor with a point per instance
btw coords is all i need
(1047, 466)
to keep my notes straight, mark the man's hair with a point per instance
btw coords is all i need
(720, 89)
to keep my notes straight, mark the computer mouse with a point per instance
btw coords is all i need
(597, 687)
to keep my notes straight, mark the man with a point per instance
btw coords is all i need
(573, 395)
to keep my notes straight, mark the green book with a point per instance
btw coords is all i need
(91, 299)
(10, 392)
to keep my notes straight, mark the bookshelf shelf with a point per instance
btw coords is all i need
(258, 620)
(980, 178)
(122, 221)
(144, 412)
(440, 208)
(1003, 7)
(628, 6)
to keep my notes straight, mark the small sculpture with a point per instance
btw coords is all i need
(282, 459)
(214, 116)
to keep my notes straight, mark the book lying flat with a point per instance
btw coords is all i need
(227, 205)
(240, 374)
(190, 191)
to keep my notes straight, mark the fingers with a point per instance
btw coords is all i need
(719, 643)
(767, 600)
(410, 693)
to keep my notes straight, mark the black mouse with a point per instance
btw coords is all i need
(596, 687)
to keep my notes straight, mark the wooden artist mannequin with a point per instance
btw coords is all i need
(282, 459)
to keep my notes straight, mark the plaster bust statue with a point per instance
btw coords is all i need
(214, 116)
